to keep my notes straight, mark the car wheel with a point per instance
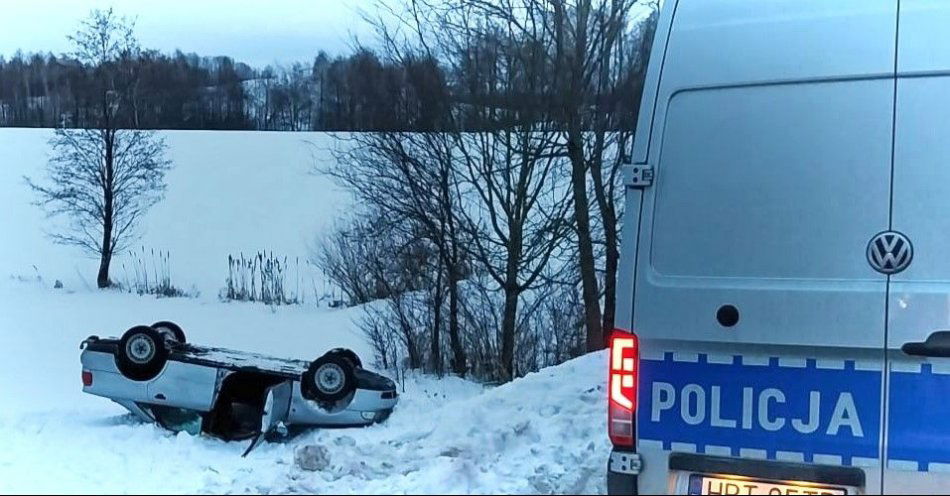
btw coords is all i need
(172, 328)
(142, 353)
(349, 355)
(329, 379)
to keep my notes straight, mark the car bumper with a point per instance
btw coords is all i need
(364, 408)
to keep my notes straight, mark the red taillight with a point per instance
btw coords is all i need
(624, 369)
(86, 378)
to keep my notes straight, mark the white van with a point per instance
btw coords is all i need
(786, 253)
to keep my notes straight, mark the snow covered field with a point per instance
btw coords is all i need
(234, 192)
(229, 192)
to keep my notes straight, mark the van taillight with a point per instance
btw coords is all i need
(86, 378)
(622, 404)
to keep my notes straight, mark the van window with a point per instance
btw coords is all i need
(777, 181)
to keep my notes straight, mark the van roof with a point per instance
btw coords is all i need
(727, 43)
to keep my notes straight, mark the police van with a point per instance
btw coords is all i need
(785, 276)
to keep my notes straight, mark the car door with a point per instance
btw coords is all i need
(761, 323)
(184, 385)
(276, 405)
(918, 439)
(276, 409)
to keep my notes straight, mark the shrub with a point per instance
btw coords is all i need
(151, 275)
(262, 278)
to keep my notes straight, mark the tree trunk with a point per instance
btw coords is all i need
(406, 327)
(413, 352)
(508, 333)
(102, 280)
(104, 261)
(435, 351)
(608, 215)
(571, 67)
(587, 266)
(459, 365)
(610, 283)
(512, 292)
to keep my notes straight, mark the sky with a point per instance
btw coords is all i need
(258, 32)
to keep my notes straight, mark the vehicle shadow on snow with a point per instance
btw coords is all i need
(126, 419)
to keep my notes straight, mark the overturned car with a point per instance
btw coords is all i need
(158, 376)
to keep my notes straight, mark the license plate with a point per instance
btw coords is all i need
(711, 485)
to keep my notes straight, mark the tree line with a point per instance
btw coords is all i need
(357, 92)
(367, 90)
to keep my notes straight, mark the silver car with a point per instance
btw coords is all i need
(158, 376)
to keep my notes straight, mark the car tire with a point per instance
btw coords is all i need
(329, 379)
(177, 333)
(142, 353)
(349, 355)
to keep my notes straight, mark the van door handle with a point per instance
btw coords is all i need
(936, 345)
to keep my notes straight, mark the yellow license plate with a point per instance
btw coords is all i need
(710, 485)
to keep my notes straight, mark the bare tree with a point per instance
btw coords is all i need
(105, 45)
(342, 255)
(396, 271)
(410, 178)
(616, 91)
(105, 178)
(397, 274)
(575, 58)
(103, 181)
(516, 215)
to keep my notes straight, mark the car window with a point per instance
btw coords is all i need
(177, 419)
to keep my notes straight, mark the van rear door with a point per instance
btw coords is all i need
(761, 323)
(918, 440)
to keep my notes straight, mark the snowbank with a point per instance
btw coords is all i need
(544, 433)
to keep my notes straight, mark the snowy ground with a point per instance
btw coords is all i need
(544, 433)
(233, 192)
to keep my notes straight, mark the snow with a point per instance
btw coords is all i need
(231, 192)
(544, 433)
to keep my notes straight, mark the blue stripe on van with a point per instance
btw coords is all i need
(919, 417)
(807, 410)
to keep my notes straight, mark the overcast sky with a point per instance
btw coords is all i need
(258, 32)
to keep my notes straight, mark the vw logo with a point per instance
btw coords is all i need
(890, 252)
